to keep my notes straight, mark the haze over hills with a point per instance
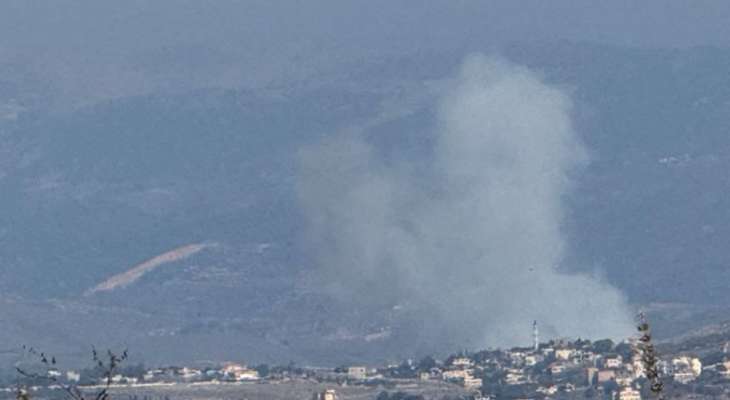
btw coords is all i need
(91, 192)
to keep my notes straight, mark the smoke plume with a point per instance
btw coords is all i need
(467, 248)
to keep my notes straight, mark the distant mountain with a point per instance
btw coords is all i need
(90, 193)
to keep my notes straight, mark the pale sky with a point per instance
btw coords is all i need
(111, 26)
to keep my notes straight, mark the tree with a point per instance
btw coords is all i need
(426, 363)
(603, 346)
(22, 394)
(398, 396)
(135, 371)
(263, 370)
(625, 350)
(649, 357)
(610, 386)
(47, 371)
(383, 396)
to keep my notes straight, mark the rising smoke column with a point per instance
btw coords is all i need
(470, 246)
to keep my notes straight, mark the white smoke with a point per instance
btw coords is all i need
(470, 245)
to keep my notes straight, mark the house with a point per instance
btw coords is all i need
(152, 374)
(556, 368)
(328, 394)
(514, 377)
(547, 390)
(189, 373)
(567, 388)
(684, 377)
(624, 378)
(687, 363)
(664, 366)
(463, 362)
(472, 383)
(637, 366)
(532, 359)
(587, 356)
(517, 357)
(357, 373)
(723, 369)
(591, 373)
(686, 369)
(628, 393)
(239, 372)
(73, 376)
(605, 375)
(564, 354)
(119, 379)
(613, 361)
(458, 374)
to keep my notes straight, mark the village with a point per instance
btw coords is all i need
(557, 369)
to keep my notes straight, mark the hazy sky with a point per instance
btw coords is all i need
(111, 27)
(78, 53)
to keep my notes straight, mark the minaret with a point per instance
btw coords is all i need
(535, 336)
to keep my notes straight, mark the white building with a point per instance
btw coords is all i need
(547, 390)
(517, 357)
(532, 359)
(239, 372)
(73, 376)
(328, 394)
(462, 362)
(557, 368)
(472, 383)
(564, 354)
(514, 378)
(637, 366)
(629, 393)
(687, 363)
(458, 374)
(54, 373)
(357, 373)
(683, 377)
(190, 373)
(614, 361)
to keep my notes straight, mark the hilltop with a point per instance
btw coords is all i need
(90, 192)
